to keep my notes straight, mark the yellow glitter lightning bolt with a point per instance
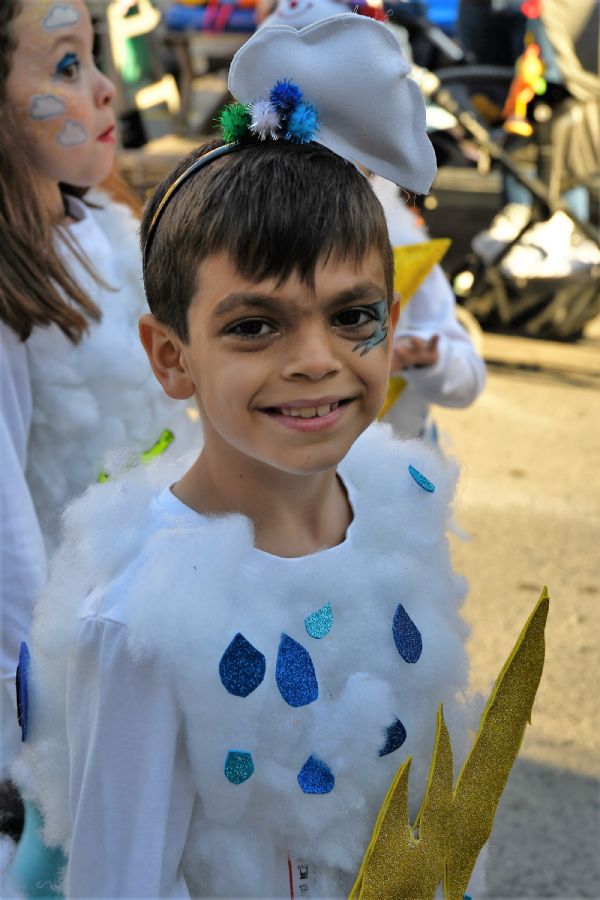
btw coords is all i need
(408, 863)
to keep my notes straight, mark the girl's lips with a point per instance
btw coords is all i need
(316, 423)
(108, 136)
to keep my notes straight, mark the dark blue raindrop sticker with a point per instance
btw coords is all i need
(320, 623)
(406, 636)
(239, 766)
(242, 667)
(423, 482)
(315, 777)
(295, 673)
(23, 690)
(394, 737)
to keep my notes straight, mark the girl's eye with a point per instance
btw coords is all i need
(251, 328)
(356, 317)
(68, 68)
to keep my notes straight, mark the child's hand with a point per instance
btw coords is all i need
(414, 353)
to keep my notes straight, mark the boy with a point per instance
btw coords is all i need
(266, 633)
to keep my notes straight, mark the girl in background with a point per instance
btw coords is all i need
(75, 385)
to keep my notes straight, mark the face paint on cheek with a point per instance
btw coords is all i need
(61, 15)
(381, 329)
(73, 134)
(46, 106)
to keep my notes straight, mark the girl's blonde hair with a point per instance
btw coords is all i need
(36, 287)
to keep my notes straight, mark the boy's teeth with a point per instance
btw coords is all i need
(309, 412)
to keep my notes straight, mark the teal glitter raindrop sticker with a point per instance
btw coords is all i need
(295, 673)
(407, 636)
(420, 479)
(315, 777)
(238, 766)
(242, 667)
(320, 623)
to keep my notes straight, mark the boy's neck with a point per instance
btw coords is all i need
(292, 515)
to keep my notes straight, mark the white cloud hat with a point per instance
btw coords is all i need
(351, 69)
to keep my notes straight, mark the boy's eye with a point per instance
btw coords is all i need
(251, 328)
(356, 317)
(69, 66)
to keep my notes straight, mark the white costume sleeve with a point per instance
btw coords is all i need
(458, 377)
(131, 792)
(22, 555)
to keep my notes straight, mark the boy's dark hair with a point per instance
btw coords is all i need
(275, 208)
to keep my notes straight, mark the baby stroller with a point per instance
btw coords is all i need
(565, 147)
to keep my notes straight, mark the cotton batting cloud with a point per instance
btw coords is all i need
(46, 106)
(60, 16)
(72, 134)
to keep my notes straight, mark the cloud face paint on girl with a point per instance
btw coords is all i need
(61, 15)
(46, 106)
(62, 103)
(380, 314)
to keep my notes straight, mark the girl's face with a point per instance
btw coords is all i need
(62, 103)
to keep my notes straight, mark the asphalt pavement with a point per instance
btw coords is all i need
(528, 505)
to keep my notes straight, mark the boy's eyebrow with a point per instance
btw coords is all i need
(366, 290)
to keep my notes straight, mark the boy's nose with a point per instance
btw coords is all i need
(311, 356)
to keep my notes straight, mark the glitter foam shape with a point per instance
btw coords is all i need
(395, 737)
(423, 482)
(22, 690)
(407, 636)
(242, 667)
(239, 766)
(315, 777)
(295, 673)
(320, 623)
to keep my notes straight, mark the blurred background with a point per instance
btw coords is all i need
(513, 93)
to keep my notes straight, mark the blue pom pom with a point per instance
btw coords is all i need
(302, 124)
(285, 96)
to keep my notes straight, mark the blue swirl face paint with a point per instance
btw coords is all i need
(380, 311)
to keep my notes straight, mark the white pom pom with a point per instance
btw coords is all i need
(265, 120)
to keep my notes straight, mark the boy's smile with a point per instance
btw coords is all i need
(286, 376)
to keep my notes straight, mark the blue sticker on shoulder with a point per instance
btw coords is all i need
(320, 623)
(420, 479)
(23, 690)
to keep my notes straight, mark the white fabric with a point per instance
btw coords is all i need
(125, 682)
(459, 375)
(63, 409)
(352, 70)
(22, 555)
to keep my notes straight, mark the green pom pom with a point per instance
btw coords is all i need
(235, 122)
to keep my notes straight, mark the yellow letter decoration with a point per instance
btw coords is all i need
(405, 862)
(412, 265)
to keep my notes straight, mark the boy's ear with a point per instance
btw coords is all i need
(394, 312)
(164, 353)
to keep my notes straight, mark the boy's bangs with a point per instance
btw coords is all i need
(275, 209)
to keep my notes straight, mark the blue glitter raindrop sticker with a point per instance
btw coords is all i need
(320, 623)
(242, 667)
(423, 482)
(295, 673)
(407, 636)
(23, 690)
(239, 766)
(315, 777)
(394, 738)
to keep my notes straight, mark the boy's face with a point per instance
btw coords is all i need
(285, 376)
